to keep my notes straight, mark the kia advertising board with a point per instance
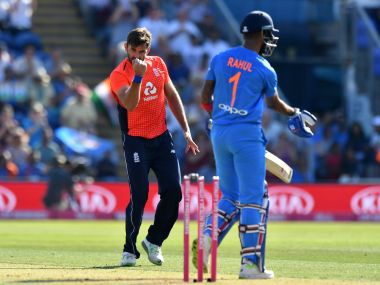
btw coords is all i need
(287, 202)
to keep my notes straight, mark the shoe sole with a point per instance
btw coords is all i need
(257, 277)
(194, 251)
(128, 264)
(159, 263)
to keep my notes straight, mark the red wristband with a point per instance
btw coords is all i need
(207, 107)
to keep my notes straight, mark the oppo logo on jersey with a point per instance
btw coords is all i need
(232, 110)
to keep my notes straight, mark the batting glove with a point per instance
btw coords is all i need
(300, 122)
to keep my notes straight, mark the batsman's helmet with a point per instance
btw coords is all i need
(259, 21)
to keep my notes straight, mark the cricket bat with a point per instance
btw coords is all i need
(278, 167)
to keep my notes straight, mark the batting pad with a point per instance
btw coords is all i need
(228, 214)
(252, 230)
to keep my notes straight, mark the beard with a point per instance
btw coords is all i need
(130, 58)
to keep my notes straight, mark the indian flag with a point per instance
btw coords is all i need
(102, 98)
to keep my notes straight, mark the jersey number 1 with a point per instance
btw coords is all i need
(235, 80)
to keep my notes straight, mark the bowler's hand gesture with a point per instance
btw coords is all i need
(139, 67)
(191, 145)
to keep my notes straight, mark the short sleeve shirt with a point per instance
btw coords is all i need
(242, 79)
(148, 120)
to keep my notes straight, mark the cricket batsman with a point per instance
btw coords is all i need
(236, 84)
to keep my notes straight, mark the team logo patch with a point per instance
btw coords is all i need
(136, 157)
(150, 92)
(156, 72)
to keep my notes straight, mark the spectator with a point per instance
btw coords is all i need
(144, 6)
(7, 124)
(333, 162)
(180, 30)
(156, 23)
(41, 90)
(200, 72)
(193, 54)
(124, 18)
(20, 17)
(322, 148)
(36, 124)
(178, 70)
(48, 149)
(356, 153)
(19, 148)
(207, 24)
(97, 14)
(5, 60)
(301, 166)
(4, 14)
(375, 145)
(106, 168)
(62, 85)
(162, 49)
(56, 63)
(29, 65)
(339, 129)
(198, 9)
(272, 128)
(60, 188)
(214, 44)
(8, 169)
(79, 112)
(34, 169)
(14, 91)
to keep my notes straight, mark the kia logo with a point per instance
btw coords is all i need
(366, 201)
(287, 200)
(7, 200)
(96, 199)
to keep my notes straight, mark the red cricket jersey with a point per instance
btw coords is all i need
(148, 120)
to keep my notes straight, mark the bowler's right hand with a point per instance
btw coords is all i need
(139, 67)
(191, 145)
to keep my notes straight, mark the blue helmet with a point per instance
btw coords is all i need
(259, 21)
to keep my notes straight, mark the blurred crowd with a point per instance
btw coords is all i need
(39, 94)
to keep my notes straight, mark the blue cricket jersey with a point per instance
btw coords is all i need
(242, 78)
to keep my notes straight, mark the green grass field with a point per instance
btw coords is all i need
(88, 252)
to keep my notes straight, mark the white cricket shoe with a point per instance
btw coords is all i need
(154, 252)
(128, 259)
(249, 270)
(206, 252)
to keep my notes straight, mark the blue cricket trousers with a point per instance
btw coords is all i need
(141, 155)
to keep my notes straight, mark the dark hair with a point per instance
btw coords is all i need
(139, 36)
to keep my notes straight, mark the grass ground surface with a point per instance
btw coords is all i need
(88, 252)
